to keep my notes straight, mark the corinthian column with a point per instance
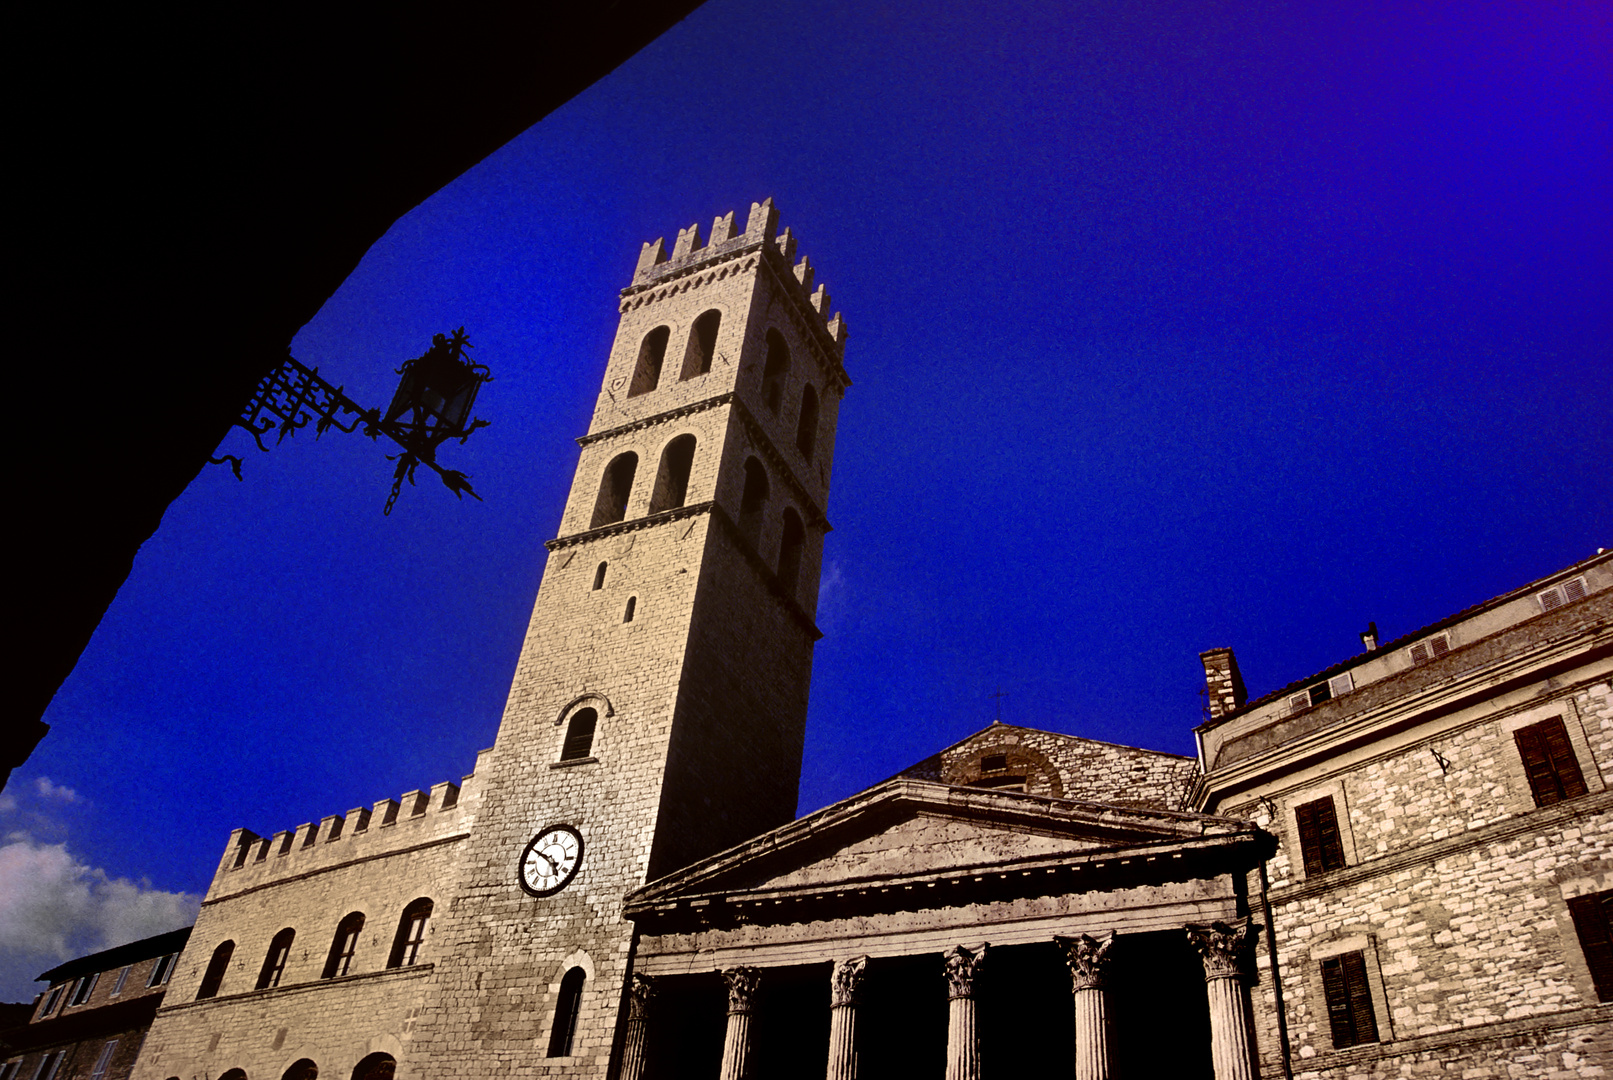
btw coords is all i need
(844, 982)
(963, 1039)
(640, 989)
(1088, 958)
(1225, 948)
(736, 1046)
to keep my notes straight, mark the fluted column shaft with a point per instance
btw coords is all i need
(736, 1043)
(963, 1036)
(1088, 958)
(845, 981)
(640, 989)
(1225, 948)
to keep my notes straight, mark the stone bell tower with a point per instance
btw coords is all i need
(659, 705)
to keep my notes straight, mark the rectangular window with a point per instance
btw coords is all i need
(83, 988)
(1319, 840)
(1349, 1000)
(51, 998)
(1549, 762)
(48, 1065)
(8, 1071)
(104, 1060)
(160, 971)
(1592, 917)
(1337, 686)
(1431, 649)
(123, 977)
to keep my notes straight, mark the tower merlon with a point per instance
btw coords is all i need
(652, 255)
(820, 299)
(722, 230)
(803, 273)
(786, 244)
(763, 219)
(688, 242)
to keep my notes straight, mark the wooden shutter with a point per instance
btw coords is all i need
(1549, 762)
(1319, 840)
(1349, 1000)
(1592, 916)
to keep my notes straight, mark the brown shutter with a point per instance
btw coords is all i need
(1319, 836)
(1338, 1002)
(1549, 762)
(1592, 916)
(1355, 979)
(1349, 1000)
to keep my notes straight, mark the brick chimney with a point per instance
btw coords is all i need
(1224, 682)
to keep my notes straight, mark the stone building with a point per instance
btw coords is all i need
(619, 889)
(91, 1020)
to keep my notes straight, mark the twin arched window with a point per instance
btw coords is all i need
(411, 933)
(216, 967)
(614, 489)
(343, 945)
(616, 486)
(566, 1009)
(702, 345)
(274, 961)
(651, 355)
(672, 479)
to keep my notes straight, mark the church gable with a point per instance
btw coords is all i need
(909, 829)
(1008, 758)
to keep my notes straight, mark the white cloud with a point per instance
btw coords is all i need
(8, 802)
(59, 792)
(54, 907)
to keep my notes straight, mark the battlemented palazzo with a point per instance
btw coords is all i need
(1400, 866)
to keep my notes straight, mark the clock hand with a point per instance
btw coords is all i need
(553, 869)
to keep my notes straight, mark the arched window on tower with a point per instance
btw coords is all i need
(233, 1074)
(789, 552)
(806, 428)
(343, 946)
(599, 577)
(411, 933)
(216, 967)
(753, 502)
(775, 370)
(614, 489)
(702, 345)
(301, 1069)
(672, 479)
(566, 1009)
(274, 961)
(651, 354)
(579, 735)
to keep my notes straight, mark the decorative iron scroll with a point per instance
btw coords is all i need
(431, 405)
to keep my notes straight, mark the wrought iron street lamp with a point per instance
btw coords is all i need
(432, 405)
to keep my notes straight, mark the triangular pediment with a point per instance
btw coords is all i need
(906, 830)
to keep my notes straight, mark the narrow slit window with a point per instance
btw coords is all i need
(775, 370)
(599, 577)
(104, 1060)
(579, 735)
(651, 354)
(123, 977)
(83, 989)
(632, 605)
(567, 1007)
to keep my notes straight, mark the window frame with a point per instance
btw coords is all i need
(161, 970)
(1347, 990)
(53, 999)
(1320, 851)
(274, 961)
(344, 946)
(49, 1065)
(218, 969)
(406, 945)
(568, 1006)
(82, 989)
(1591, 914)
(123, 977)
(103, 1061)
(1566, 778)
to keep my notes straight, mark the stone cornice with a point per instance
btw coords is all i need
(416, 970)
(757, 563)
(815, 514)
(1535, 821)
(1461, 691)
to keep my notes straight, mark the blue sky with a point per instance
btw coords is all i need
(1171, 325)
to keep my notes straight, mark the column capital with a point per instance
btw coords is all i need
(961, 965)
(1088, 958)
(741, 988)
(1224, 947)
(846, 980)
(640, 990)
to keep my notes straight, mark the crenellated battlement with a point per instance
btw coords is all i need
(416, 817)
(690, 253)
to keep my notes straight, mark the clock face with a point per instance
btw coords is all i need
(550, 861)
